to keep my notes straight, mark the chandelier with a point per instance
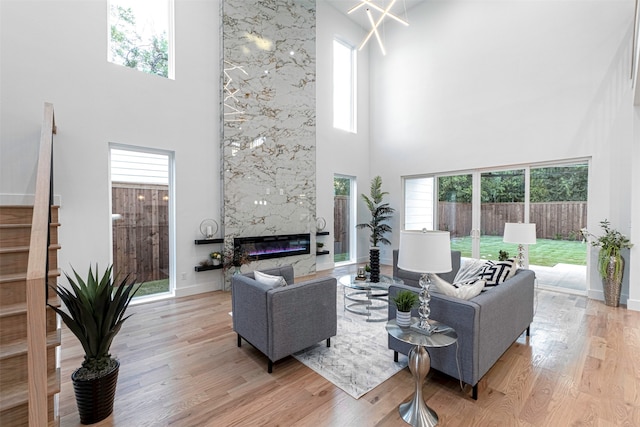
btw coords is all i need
(385, 13)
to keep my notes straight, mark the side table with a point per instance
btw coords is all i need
(416, 412)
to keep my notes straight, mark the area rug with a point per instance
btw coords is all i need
(358, 359)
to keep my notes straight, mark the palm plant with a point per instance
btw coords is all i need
(380, 213)
(96, 314)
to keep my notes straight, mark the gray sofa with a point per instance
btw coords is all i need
(281, 321)
(486, 325)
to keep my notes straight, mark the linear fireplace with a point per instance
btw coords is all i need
(265, 247)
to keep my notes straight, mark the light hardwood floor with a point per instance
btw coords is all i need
(180, 366)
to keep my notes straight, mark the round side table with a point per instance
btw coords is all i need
(416, 412)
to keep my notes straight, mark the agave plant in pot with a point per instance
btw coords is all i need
(610, 260)
(96, 307)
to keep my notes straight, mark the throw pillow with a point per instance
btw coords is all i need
(496, 272)
(469, 270)
(464, 290)
(269, 280)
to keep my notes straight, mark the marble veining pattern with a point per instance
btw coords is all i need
(269, 182)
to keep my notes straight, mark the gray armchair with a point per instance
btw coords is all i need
(281, 321)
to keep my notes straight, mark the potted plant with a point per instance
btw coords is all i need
(380, 213)
(216, 258)
(404, 302)
(610, 260)
(96, 308)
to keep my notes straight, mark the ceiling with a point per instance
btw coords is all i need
(360, 17)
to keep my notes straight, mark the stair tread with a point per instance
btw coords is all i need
(14, 277)
(17, 394)
(21, 307)
(54, 338)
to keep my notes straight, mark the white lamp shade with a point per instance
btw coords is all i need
(522, 234)
(425, 251)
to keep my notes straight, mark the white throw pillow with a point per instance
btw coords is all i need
(269, 280)
(466, 290)
(469, 270)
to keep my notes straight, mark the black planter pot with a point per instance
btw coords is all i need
(95, 397)
(374, 263)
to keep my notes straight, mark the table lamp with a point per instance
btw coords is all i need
(522, 234)
(425, 252)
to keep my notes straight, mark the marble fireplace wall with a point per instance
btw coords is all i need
(269, 122)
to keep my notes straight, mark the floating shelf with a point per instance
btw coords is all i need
(323, 253)
(208, 241)
(208, 267)
(322, 233)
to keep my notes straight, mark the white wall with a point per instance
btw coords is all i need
(339, 152)
(56, 51)
(496, 83)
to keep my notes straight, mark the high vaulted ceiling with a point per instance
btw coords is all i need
(359, 16)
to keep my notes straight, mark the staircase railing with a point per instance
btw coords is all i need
(37, 272)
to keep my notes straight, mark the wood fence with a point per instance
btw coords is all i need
(554, 220)
(141, 231)
(341, 221)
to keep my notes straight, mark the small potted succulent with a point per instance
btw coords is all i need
(404, 302)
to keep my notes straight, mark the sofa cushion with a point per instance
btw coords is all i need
(496, 272)
(269, 280)
(463, 290)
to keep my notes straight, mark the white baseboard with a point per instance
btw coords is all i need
(199, 288)
(633, 304)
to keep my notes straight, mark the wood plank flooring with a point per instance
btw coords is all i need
(180, 366)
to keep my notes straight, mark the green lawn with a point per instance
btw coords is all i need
(153, 287)
(545, 252)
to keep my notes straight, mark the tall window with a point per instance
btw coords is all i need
(344, 218)
(418, 203)
(344, 86)
(141, 35)
(141, 206)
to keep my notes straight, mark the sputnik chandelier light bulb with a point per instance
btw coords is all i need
(385, 13)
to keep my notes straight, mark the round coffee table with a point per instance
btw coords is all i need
(416, 412)
(367, 298)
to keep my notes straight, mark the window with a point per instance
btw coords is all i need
(344, 86)
(142, 217)
(418, 203)
(141, 35)
(344, 217)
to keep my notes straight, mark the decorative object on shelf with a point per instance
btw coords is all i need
(380, 214)
(426, 252)
(216, 258)
(319, 245)
(522, 234)
(209, 228)
(321, 223)
(95, 381)
(362, 275)
(404, 302)
(610, 260)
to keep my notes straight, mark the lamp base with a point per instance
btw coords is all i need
(422, 329)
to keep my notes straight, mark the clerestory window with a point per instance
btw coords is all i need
(344, 86)
(141, 35)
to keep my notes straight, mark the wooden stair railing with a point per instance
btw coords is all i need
(37, 272)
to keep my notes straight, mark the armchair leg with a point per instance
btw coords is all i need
(270, 366)
(395, 356)
(529, 330)
(239, 340)
(474, 392)
(328, 342)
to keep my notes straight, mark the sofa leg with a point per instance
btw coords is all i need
(474, 392)
(270, 366)
(239, 340)
(395, 356)
(529, 330)
(328, 342)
